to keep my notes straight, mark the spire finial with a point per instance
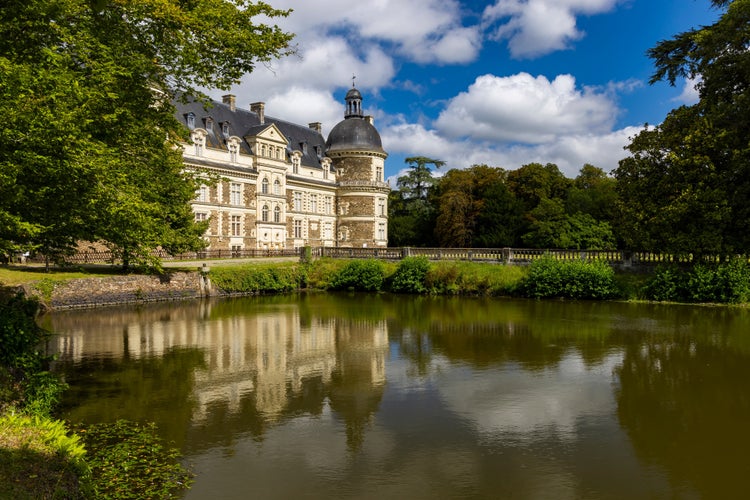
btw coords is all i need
(354, 77)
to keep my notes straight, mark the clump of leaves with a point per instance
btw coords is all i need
(551, 278)
(129, 460)
(360, 275)
(410, 275)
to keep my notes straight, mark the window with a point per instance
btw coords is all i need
(327, 231)
(276, 187)
(233, 150)
(225, 129)
(314, 203)
(298, 229)
(190, 119)
(379, 174)
(199, 141)
(202, 194)
(201, 216)
(264, 186)
(236, 225)
(264, 213)
(381, 207)
(298, 201)
(325, 171)
(263, 150)
(277, 214)
(381, 231)
(235, 193)
(329, 205)
(295, 164)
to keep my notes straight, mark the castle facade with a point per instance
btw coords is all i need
(272, 184)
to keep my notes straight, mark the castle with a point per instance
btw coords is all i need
(272, 184)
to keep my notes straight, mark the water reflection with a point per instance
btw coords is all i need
(364, 396)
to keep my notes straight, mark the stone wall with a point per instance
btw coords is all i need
(91, 292)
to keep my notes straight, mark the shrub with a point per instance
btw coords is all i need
(733, 281)
(667, 284)
(410, 275)
(259, 279)
(360, 275)
(549, 278)
(25, 382)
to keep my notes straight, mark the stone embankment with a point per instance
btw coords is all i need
(94, 292)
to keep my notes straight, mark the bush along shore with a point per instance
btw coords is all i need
(545, 278)
(44, 457)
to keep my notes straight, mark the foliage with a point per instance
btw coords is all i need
(360, 275)
(473, 278)
(39, 459)
(88, 87)
(551, 278)
(411, 215)
(129, 460)
(410, 275)
(686, 184)
(259, 278)
(726, 282)
(25, 382)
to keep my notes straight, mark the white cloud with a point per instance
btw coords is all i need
(421, 30)
(521, 108)
(689, 93)
(537, 27)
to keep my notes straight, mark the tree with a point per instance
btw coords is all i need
(685, 188)
(411, 215)
(415, 183)
(88, 86)
(475, 208)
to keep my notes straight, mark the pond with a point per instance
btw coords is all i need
(373, 396)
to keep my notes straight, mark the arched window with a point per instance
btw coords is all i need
(276, 187)
(264, 213)
(277, 214)
(264, 186)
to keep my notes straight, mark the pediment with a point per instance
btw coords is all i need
(269, 132)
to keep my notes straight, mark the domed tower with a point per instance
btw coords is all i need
(357, 154)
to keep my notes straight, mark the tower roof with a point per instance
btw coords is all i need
(355, 131)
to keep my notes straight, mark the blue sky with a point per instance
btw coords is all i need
(500, 82)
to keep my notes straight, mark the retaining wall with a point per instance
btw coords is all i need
(91, 292)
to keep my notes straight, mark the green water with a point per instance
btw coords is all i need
(367, 396)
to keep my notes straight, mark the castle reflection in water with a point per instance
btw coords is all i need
(265, 355)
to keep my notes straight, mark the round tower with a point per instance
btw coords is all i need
(357, 154)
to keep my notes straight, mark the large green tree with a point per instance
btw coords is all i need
(89, 150)
(685, 187)
(411, 213)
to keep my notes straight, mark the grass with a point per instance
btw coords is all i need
(39, 460)
(20, 275)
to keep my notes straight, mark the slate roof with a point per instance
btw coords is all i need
(245, 123)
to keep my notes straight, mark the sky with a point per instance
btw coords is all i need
(497, 82)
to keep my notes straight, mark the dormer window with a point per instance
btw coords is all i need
(303, 145)
(199, 141)
(318, 151)
(295, 162)
(190, 120)
(225, 129)
(234, 149)
(209, 122)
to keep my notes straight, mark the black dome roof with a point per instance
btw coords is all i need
(354, 133)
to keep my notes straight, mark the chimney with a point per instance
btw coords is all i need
(259, 109)
(316, 126)
(230, 100)
(370, 119)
